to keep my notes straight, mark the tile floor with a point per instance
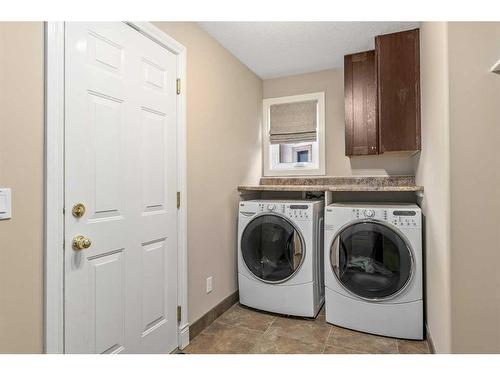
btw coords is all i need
(243, 330)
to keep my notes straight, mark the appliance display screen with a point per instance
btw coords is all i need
(404, 213)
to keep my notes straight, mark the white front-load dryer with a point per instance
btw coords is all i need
(373, 268)
(280, 254)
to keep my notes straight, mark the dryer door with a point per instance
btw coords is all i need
(272, 248)
(371, 260)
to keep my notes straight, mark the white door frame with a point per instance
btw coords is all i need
(54, 182)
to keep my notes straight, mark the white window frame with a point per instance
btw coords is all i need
(270, 158)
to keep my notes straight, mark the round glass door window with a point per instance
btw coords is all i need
(371, 260)
(273, 250)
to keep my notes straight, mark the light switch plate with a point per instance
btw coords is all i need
(5, 204)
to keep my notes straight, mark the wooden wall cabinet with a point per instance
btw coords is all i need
(398, 84)
(396, 72)
(360, 92)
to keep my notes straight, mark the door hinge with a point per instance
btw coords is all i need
(178, 199)
(178, 86)
(179, 314)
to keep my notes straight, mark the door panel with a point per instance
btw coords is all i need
(121, 163)
(154, 75)
(360, 104)
(153, 285)
(107, 302)
(105, 143)
(153, 160)
(105, 52)
(398, 75)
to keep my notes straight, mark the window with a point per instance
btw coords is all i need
(303, 156)
(293, 130)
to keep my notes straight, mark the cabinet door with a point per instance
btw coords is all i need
(360, 104)
(398, 75)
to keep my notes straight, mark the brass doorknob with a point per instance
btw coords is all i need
(78, 210)
(81, 242)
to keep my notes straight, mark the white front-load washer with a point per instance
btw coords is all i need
(280, 252)
(373, 268)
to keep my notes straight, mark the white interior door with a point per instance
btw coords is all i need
(120, 163)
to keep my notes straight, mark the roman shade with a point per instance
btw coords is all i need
(293, 122)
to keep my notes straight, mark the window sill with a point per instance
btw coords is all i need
(295, 172)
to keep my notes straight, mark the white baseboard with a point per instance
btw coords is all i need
(496, 67)
(184, 336)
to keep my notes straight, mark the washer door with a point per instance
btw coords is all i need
(371, 260)
(272, 248)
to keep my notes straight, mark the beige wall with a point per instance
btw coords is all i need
(337, 164)
(475, 180)
(432, 171)
(459, 168)
(21, 168)
(224, 116)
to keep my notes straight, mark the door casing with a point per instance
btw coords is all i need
(54, 182)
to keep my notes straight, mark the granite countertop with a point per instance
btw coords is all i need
(382, 183)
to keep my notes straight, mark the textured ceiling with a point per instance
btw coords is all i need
(276, 49)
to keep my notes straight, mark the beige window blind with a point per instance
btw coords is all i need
(293, 122)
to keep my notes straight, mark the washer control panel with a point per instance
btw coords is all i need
(401, 217)
(271, 207)
(295, 211)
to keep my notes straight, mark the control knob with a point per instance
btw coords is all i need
(369, 213)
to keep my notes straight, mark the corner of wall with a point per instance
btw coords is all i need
(432, 170)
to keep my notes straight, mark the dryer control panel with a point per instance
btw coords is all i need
(299, 211)
(400, 217)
